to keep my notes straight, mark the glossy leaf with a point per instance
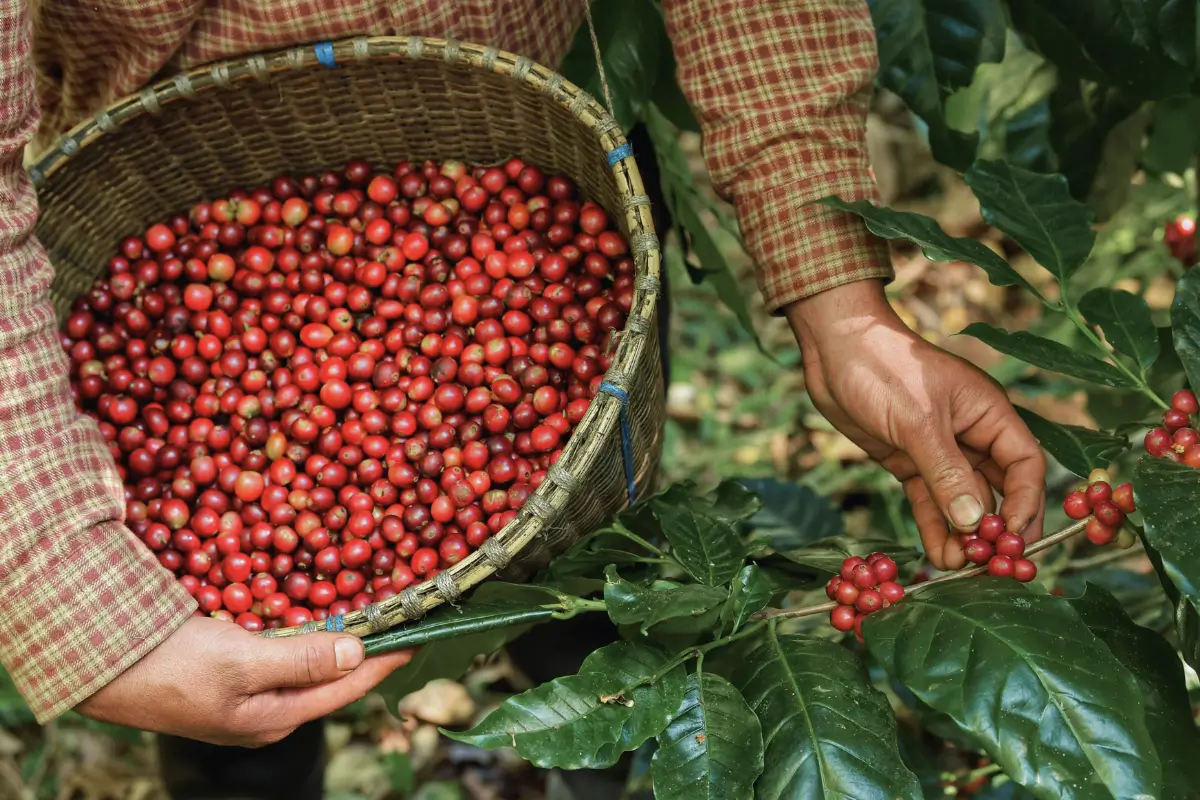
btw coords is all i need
(450, 658)
(1049, 355)
(1080, 124)
(749, 593)
(1125, 319)
(1037, 211)
(733, 501)
(1027, 138)
(1134, 46)
(632, 40)
(927, 50)
(1174, 136)
(629, 603)
(1153, 662)
(827, 732)
(827, 555)
(1185, 325)
(1166, 495)
(653, 705)
(1078, 449)
(1046, 698)
(935, 243)
(575, 722)
(707, 547)
(713, 748)
(793, 515)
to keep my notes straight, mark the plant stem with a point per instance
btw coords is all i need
(1138, 380)
(966, 572)
(621, 530)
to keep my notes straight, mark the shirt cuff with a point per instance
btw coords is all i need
(801, 250)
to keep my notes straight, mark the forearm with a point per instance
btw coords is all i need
(80, 598)
(782, 91)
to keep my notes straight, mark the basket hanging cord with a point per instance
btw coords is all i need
(587, 8)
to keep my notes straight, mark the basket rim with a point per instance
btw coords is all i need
(606, 413)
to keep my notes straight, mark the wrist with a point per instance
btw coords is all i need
(844, 311)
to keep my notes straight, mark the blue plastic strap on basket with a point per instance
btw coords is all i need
(324, 51)
(617, 153)
(626, 434)
(334, 624)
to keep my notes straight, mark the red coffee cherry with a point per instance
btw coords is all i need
(1077, 506)
(842, 618)
(1001, 566)
(1011, 545)
(990, 527)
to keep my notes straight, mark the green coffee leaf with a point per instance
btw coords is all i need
(579, 721)
(793, 515)
(732, 501)
(749, 593)
(629, 603)
(1046, 698)
(653, 705)
(1049, 355)
(1144, 48)
(827, 732)
(935, 243)
(1125, 319)
(713, 748)
(707, 547)
(1037, 211)
(928, 50)
(1153, 663)
(633, 40)
(451, 657)
(1166, 494)
(1078, 449)
(1185, 325)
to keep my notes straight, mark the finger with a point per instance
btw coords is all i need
(935, 534)
(985, 491)
(296, 706)
(1003, 435)
(306, 660)
(948, 475)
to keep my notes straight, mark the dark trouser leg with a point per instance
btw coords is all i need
(291, 769)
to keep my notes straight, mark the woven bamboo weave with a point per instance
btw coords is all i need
(386, 99)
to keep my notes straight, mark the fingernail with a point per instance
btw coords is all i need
(965, 512)
(348, 652)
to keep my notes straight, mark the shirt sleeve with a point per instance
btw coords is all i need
(81, 599)
(781, 89)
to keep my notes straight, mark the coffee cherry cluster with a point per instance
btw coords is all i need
(1180, 237)
(1002, 550)
(322, 391)
(1177, 439)
(864, 586)
(1104, 508)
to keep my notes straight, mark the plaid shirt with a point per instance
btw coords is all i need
(781, 90)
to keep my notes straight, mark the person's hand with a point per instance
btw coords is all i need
(944, 428)
(215, 682)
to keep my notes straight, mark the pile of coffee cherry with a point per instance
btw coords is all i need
(325, 390)
(1177, 439)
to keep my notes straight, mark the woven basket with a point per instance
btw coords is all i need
(386, 99)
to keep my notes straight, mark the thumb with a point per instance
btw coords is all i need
(305, 660)
(950, 479)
